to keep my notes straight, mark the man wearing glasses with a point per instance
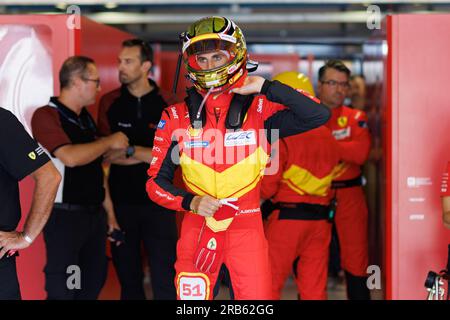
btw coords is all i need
(75, 235)
(349, 127)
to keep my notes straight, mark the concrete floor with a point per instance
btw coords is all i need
(336, 289)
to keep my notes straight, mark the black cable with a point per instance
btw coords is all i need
(177, 71)
(177, 74)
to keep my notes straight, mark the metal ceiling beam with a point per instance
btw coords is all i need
(208, 2)
(177, 18)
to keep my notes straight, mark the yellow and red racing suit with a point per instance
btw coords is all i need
(225, 164)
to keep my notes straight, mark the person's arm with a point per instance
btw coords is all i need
(113, 156)
(140, 155)
(47, 180)
(271, 183)
(160, 187)
(357, 149)
(109, 206)
(47, 129)
(446, 211)
(21, 156)
(103, 128)
(73, 155)
(291, 112)
(303, 112)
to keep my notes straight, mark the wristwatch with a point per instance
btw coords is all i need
(27, 238)
(130, 151)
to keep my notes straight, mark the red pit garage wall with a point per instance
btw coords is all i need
(417, 150)
(33, 48)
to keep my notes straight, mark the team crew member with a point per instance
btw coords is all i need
(301, 193)
(445, 195)
(349, 127)
(357, 92)
(216, 137)
(76, 232)
(21, 156)
(135, 109)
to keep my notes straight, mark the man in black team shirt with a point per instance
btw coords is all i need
(75, 235)
(135, 109)
(21, 156)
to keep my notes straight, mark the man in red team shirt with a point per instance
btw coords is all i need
(445, 195)
(349, 127)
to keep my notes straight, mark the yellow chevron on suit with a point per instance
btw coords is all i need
(218, 225)
(340, 169)
(234, 181)
(304, 182)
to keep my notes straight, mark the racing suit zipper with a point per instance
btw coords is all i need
(217, 114)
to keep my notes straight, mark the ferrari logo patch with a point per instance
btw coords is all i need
(212, 244)
(342, 121)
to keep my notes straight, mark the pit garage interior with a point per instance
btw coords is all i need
(400, 47)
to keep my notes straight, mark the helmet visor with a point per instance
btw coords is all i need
(209, 54)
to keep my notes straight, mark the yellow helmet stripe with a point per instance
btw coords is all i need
(205, 36)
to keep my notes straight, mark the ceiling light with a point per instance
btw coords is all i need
(61, 5)
(111, 5)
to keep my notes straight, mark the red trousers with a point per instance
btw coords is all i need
(245, 255)
(351, 225)
(307, 239)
